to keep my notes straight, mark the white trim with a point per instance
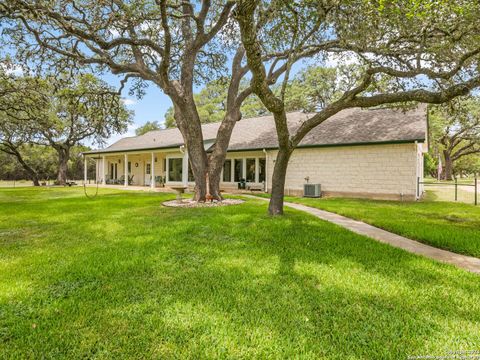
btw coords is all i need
(84, 170)
(167, 170)
(125, 170)
(152, 172)
(266, 167)
(104, 180)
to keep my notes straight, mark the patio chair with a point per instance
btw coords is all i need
(130, 180)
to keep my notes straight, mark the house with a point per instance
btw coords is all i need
(373, 153)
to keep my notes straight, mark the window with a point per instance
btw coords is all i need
(238, 169)
(251, 170)
(113, 171)
(148, 169)
(227, 171)
(175, 169)
(261, 170)
(129, 167)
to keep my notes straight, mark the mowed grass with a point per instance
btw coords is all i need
(452, 226)
(123, 277)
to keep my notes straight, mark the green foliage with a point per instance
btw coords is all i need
(455, 132)
(430, 165)
(148, 126)
(211, 104)
(122, 277)
(311, 89)
(44, 160)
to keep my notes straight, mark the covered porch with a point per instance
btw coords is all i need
(140, 168)
(163, 168)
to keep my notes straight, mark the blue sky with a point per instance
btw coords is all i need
(151, 107)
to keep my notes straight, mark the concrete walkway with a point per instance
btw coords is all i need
(462, 261)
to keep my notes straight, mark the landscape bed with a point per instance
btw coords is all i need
(121, 276)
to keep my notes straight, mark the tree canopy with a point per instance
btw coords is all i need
(148, 126)
(455, 132)
(59, 112)
(402, 51)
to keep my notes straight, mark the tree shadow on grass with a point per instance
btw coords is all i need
(232, 282)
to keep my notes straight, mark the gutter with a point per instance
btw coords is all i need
(174, 147)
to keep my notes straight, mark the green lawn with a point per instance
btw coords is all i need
(448, 225)
(123, 277)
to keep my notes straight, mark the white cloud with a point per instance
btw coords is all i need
(129, 102)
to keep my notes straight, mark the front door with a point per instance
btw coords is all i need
(148, 173)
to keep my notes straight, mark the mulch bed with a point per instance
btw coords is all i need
(187, 203)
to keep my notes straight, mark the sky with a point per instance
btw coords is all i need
(151, 107)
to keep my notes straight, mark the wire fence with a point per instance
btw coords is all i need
(455, 185)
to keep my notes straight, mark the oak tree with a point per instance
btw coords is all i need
(455, 131)
(174, 44)
(403, 52)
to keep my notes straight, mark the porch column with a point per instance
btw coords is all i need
(185, 168)
(84, 169)
(125, 170)
(104, 172)
(257, 170)
(152, 172)
(244, 169)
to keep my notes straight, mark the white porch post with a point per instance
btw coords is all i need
(257, 170)
(84, 169)
(125, 170)
(104, 172)
(152, 172)
(244, 169)
(185, 168)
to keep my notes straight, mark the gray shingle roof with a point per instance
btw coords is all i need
(350, 126)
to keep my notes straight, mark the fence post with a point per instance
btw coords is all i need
(456, 190)
(476, 189)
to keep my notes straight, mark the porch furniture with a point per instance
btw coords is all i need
(242, 184)
(255, 187)
(130, 180)
(180, 190)
(160, 180)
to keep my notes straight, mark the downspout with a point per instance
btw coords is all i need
(418, 192)
(266, 172)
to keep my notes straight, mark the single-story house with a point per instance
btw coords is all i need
(373, 153)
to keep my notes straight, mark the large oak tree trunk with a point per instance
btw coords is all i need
(217, 157)
(63, 156)
(275, 206)
(448, 173)
(189, 125)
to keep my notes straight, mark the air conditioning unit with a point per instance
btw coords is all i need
(312, 190)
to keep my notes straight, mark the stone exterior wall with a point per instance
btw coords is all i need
(375, 171)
